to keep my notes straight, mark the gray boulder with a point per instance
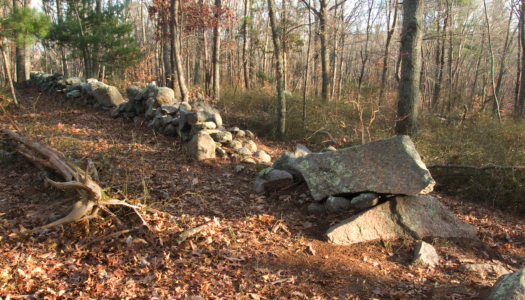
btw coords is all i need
(170, 130)
(365, 201)
(151, 113)
(132, 91)
(108, 96)
(388, 166)
(217, 119)
(241, 133)
(337, 204)
(288, 162)
(270, 180)
(201, 146)
(401, 217)
(92, 85)
(74, 94)
(199, 117)
(170, 109)
(509, 287)
(74, 80)
(203, 126)
(425, 255)
(220, 152)
(150, 91)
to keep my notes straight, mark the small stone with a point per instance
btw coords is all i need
(365, 201)
(241, 133)
(301, 150)
(220, 152)
(315, 209)
(261, 155)
(243, 151)
(249, 134)
(250, 145)
(485, 269)
(337, 204)
(234, 144)
(238, 168)
(310, 250)
(201, 146)
(271, 180)
(234, 157)
(221, 136)
(425, 255)
(328, 149)
(234, 130)
(249, 160)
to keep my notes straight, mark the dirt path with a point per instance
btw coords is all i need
(254, 248)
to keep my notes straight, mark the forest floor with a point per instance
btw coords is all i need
(255, 247)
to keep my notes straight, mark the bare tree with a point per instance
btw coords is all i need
(216, 53)
(175, 50)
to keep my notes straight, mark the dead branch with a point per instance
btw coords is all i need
(476, 168)
(323, 132)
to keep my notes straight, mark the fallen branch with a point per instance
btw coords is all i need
(476, 168)
(323, 132)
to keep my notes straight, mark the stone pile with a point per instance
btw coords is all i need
(384, 179)
(96, 93)
(196, 122)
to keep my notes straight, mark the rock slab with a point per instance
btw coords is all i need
(509, 287)
(387, 166)
(401, 217)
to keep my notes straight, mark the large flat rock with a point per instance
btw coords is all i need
(401, 217)
(388, 166)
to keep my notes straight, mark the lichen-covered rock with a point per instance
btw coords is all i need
(201, 146)
(365, 201)
(108, 96)
(425, 255)
(509, 287)
(270, 180)
(388, 166)
(337, 204)
(401, 217)
(262, 156)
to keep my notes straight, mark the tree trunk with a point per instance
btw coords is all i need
(8, 73)
(175, 51)
(411, 66)
(521, 101)
(198, 59)
(325, 60)
(390, 34)
(281, 112)
(216, 54)
(503, 63)
(246, 45)
(305, 89)
(492, 63)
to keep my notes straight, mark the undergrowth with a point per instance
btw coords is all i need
(479, 141)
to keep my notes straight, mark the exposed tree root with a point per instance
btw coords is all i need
(92, 197)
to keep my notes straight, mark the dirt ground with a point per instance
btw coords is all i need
(255, 247)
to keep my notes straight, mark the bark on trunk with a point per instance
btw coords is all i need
(281, 112)
(175, 45)
(246, 45)
(216, 54)
(411, 67)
